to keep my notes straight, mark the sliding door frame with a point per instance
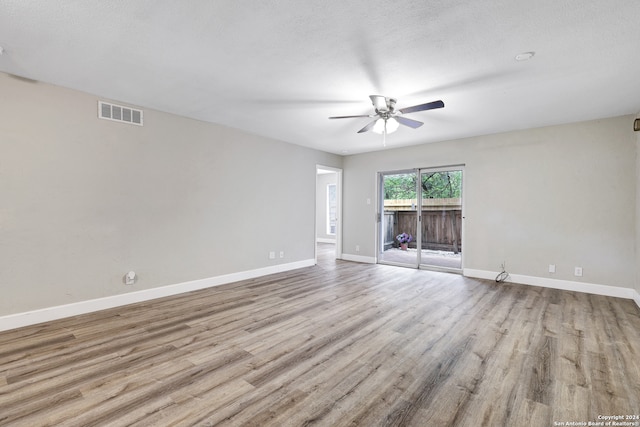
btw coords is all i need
(380, 218)
(462, 231)
(380, 235)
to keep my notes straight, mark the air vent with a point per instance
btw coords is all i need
(119, 113)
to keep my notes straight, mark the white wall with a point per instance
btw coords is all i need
(85, 200)
(563, 194)
(321, 205)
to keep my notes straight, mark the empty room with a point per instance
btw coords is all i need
(280, 213)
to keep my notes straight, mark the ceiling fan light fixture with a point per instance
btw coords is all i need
(378, 127)
(392, 126)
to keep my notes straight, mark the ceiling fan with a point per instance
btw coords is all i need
(387, 118)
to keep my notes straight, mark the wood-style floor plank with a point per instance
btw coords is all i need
(338, 344)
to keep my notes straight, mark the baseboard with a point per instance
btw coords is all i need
(325, 240)
(48, 314)
(18, 320)
(359, 258)
(567, 285)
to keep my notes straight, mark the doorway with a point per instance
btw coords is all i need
(421, 219)
(329, 209)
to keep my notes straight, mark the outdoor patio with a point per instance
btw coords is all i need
(428, 257)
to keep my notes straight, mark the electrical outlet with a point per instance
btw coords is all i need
(272, 255)
(577, 272)
(552, 268)
(357, 248)
(281, 254)
(130, 278)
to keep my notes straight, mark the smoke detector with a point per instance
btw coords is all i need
(524, 56)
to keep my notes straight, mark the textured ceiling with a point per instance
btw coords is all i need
(279, 68)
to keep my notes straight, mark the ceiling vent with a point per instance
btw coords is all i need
(119, 113)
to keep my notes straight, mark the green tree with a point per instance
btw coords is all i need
(402, 186)
(436, 185)
(442, 185)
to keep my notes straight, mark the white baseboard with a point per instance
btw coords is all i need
(18, 320)
(325, 240)
(359, 258)
(567, 285)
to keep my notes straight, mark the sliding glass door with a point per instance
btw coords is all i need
(441, 218)
(398, 218)
(420, 222)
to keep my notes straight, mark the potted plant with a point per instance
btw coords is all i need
(404, 240)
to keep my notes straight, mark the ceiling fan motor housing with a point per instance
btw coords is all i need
(391, 103)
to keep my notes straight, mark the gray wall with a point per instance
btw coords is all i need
(638, 212)
(321, 205)
(85, 200)
(563, 195)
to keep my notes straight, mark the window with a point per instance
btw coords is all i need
(332, 209)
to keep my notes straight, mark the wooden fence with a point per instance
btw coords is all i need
(441, 226)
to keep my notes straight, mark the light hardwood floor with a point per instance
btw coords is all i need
(338, 344)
